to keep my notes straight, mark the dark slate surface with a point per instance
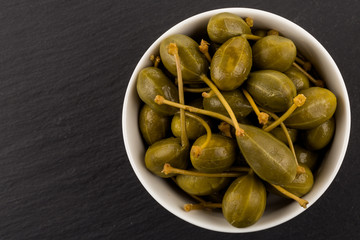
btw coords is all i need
(64, 68)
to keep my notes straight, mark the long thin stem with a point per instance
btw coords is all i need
(306, 65)
(204, 48)
(156, 60)
(196, 150)
(262, 117)
(161, 100)
(168, 169)
(196, 90)
(238, 130)
(250, 36)
(200, 200)
(173, 50)
(301, 201)
(208, 94)
(300, 169)
(240, 169)
(189, 82)
(225, 129)
(318, 83)
(299, 60)
(188, 207)
(299, 100)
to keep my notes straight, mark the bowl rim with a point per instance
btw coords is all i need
(346, 115)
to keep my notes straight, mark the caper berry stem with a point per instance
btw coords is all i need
(262, 117)
(196, 90)
(208, 94)
(301, 201)
(240, 169)
(168, 169)
(299, 168)
(225, 129)
(306, 65)
(188, 207)
(250, 36)
(161, 100)
(274, 116)
(156, 60)
(238, 130)
(185, 82)
(318, 83)
(204, 48)
(173, 50)
(200, 200)
(249, 21)
(299, 100)
(196, 150)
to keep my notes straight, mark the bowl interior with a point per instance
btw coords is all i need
(278, 210)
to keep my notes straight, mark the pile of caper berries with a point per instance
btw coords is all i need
(235, 116)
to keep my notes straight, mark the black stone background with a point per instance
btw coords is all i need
(64, 69)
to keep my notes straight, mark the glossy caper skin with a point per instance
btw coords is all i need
(218, 156)
(270, 158)
(168, 150)
(298, 78)
(320, 136)
(271, 89)
(153, 126)
(244, 201)
(201, 186)
(306, 157)
(224, 26)
(302, 183)
(236, 99)
(320, 105)
(194, 129)
(151, 82)
(278, 132)
(231, 64)
(274, 52)
(193, 63)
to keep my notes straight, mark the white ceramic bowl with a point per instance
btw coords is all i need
(277, 211)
